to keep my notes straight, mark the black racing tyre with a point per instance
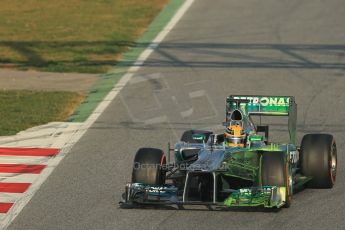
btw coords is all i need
(187, 136)
(275, 172)
(148, 167)
(318, 159)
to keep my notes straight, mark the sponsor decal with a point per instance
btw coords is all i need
(266, 101)
(158, 189)
(294, 157)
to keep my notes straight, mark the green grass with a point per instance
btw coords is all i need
(85, 36)
(20, 110)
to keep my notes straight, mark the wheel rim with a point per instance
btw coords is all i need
(333, 162)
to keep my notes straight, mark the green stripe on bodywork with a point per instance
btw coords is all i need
(107, 81)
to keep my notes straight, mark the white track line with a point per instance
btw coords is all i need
(10, 197)
(23, 160)
(18, 178)
(68, 141)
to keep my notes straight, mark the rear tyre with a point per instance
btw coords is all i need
(187, 136)
(275, 172)
(318, 157)
(148, 167)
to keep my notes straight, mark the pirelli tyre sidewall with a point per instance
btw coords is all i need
(148, 167)
(318, 158)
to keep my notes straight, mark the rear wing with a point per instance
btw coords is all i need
(266, 106)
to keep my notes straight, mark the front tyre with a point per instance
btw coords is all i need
(275, 172)
(148, 167)
(319, 160)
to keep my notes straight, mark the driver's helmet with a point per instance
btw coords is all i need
(235, 136)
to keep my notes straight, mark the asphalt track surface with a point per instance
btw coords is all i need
(218, 48)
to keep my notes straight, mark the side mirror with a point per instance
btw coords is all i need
(255, 138)
(263, 129)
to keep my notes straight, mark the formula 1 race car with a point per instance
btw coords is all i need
(238, 167)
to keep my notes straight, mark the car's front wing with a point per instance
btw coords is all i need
(267, 196)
